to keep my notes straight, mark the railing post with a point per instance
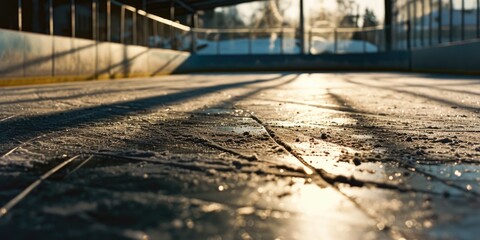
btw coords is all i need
(422, 22)
(155, 34)
(72, 15)
(94, 20)
(451, 20)
(193, 25)
(146, 30)
(310, 41)
(463, 20)
(109, 20)
(380, 39)
(122, 24)
(388, 24)
(440, 23)
(134, 28)
(302, 28)
(95, 34)
(281, 41)
(20, 15)
(430, 30)
(50, 29)
(364, 33)
(335, 43)
(478, 18)
(50, 17)
(160, 34)
(250, 40)
(217, 38)
(20, 28)
(409, 27)
(414, 27)
(172, 30)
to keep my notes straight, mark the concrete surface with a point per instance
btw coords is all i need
(243, 156)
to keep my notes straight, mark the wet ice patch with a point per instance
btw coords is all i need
(222, 111)
(466, 175)
(361, 136)
(242, 130)
(75, 208)
(243, 126)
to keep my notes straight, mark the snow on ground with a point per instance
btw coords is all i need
(243, 156)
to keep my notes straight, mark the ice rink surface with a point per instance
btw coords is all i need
(243, 156)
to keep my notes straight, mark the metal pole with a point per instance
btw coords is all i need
(20, 26)
(172, 18)
(310, 41)
(414, 27)
(463, 20)
(335, 46)
(302, 28)
(281, 41)
(478, 18)
(109, 36)
(122, 25)
(20, 15)
(109, 20)
(161, 35)
(388, 24)
(378, 39)
(74, 31)
(146, 30)
(364, 33)
(134, 28)
(193, 25)
(451, 20)
(422, 22)
(440, 22)
(50, 26)
(154, 33)
(409, 27)
(50, 17)
(250, 44)
(218, 43)
(94, 20)
(72, 2)
(95, 34)
(430, 27)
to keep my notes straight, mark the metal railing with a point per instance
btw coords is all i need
(246, 41)
(110, 21)
(421, 24)
(287, 41)
(104, 20)
(346, 40)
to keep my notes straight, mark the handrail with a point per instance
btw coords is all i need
(153, 17)
(168, 22)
